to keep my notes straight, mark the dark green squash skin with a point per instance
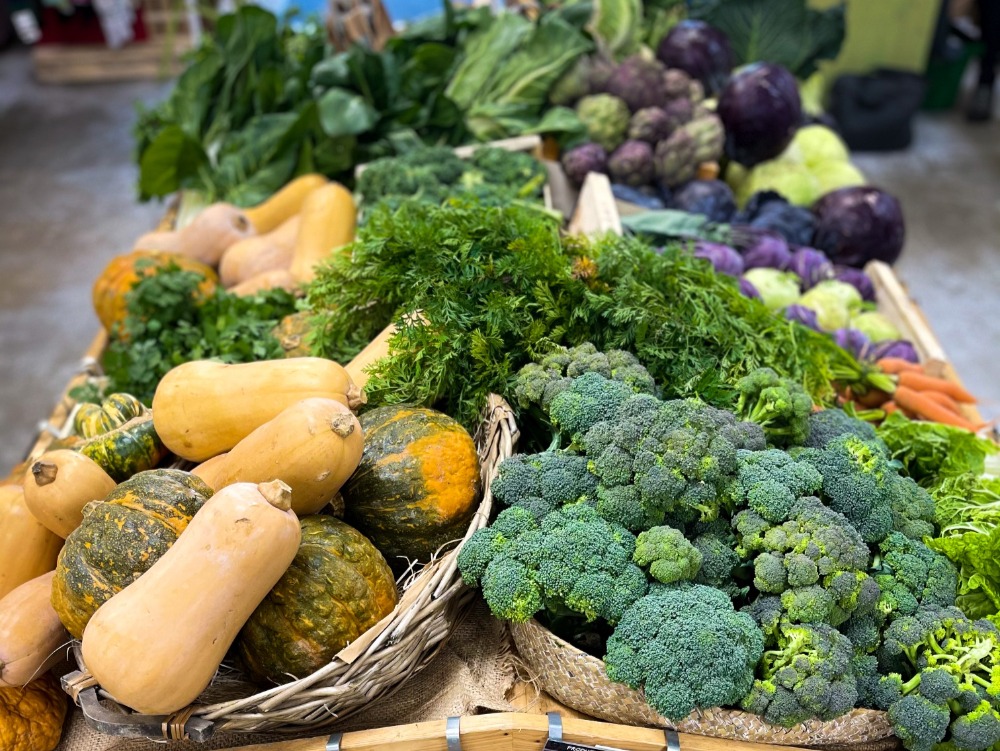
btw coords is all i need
(387, 498)
(120, 538)
(337, 587)
(96, 419)
(122, 452)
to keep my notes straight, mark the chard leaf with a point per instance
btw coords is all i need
(343, 113)
(617, 27)
(786, 32)
(169, 162)
(485, 54)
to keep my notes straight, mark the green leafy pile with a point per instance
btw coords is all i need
(498, 287)
(169, 322)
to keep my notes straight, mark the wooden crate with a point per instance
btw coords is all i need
(172, 32)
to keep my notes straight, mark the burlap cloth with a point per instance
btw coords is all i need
(472, 674)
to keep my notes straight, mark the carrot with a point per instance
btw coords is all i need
(945, 401)
(890, 407)
(897, 365)
(921, 382)
(873, 398)
(920, 405)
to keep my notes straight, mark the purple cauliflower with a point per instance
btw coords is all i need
(632, 164)
(579, 161)
(638, 82)
(650, 124)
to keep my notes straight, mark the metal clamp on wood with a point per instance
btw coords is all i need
(673, 740)
(555, 726)
(453, 734)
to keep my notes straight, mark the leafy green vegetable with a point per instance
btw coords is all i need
(787, 32)
(931, 451)
(169, 322)
(617, 27)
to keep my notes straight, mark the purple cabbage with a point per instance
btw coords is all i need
(645, 197)
(761, 109)
(854, 342)
(770, 210)
(767, 250)
(710, 198)
(858, 279)
(859, 224)
(724, 260)
(812, 267)
(700, 50)
(802, 314)
(900, 348)
(748, 290)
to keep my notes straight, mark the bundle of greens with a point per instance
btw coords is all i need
(498, 286)
(170, 322)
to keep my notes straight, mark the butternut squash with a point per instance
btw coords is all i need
(329, 217)
(160, 241)
(156, 645)
(206, 238)
(27, 548)
(312, 446)
(247, 258)
(203, 408)
(280, 207)
(31, 633)
(62, 482)
(275, 279)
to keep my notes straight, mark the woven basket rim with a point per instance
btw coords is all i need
(436, 594)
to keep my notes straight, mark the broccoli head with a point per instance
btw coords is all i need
(910, 574)
(667, 554)
(520, 174)
(858, 481)
(687, 648)
(569, 560)
(912, 509)
(943, 679)
(779, 405)
(815, 560)
(425, 173)
(588, 400)
(809, 673)
(544, 482)
(719, 562)
(770, 482)
(828, 424)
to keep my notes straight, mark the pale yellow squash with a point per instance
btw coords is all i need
(329, 217)
(255, 255)
(31, 634)
(275, 279)
(156, 645)
(61, 483)
(203, 408)
(287, 202)
(313, 447)
(27, 548)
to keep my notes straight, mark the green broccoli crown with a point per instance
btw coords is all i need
(519, 172)
(424, 173)
(865, 630)
(912, 508)
(779, 405)
(828, 424)
(910, 574)
(809, 673)
(571, 559)
(770, 482)
(919, 723)
(543, 482)
(858, 480)
(718, 564)
(977, 730)
(589, 399)
(668, 555)
(816, 560)
(687, 648)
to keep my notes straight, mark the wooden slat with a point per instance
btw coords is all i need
(85, 63)
(513, 732)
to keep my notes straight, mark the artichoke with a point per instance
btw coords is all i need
(632, 164)
(676, 160)
(599, 70)
(606, 118)
(650, 124)
(678, 112)
(577, 162)
(574, 84)
(676, 84)
(638, 82)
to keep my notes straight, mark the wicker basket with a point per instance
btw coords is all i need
(372, 667)
(578, 680)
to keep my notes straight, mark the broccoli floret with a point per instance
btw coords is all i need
(770, 482)
(766, 612)
(828, 424)
(978, 730)
(816, 560)
(521, 173)
(910, 574)
(919, 723)
(912, 509)
(687, 648)
(939, 685)
(572, 559)
(779, 405)
(809, 673)
(667, 554)
(589, 399)
(865, 667)
(858, 481)
(543, 482)
(864, 629)
(718, 564)
(424, 173)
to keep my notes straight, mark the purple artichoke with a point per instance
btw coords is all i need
(638, 82)
(632, 164)
(579, 161)
(679, 112)
(650, 124)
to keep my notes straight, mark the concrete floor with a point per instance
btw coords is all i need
(67, 205)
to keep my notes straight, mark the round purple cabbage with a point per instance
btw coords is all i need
(700, 50)
(854, 342)
(761, 109)
(710, 198)
(579, 161)
(859, 224)
(858, 279)
(748, 290)
(900, 348)
(770, 210)
(803, 315)
(768, 250)
(811, 265)
(724, 260)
